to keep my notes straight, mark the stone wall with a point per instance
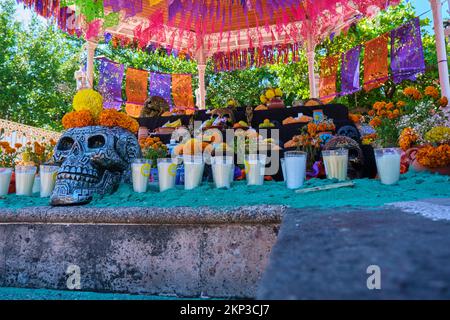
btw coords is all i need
(167, 251)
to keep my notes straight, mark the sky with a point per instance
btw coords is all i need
(421, 6)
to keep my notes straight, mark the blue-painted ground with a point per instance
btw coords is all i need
(366, 193)
(44, 294)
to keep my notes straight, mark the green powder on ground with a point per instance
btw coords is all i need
(366, 192)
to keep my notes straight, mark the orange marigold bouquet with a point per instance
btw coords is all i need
(384, 117)
(407, 138)
(77, 119)
(8, 154)
(434, 156)
(398, 122)
(153, 148)
(36, 153)
(89, 112)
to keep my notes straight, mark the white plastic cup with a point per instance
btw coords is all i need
(295, 167)
(388, 164)
(283, 168)
(193, 171)
(223, 171)
(47, 175)
(36, 184)
(167, 173)
(255, 165)
(336, 163)
(5, 179)
(140, 172)
(24, 180)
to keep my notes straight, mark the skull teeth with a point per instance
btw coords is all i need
(77, 177)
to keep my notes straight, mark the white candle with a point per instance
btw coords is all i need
(222, 169)
(47, 179)
(24, 180)
(167, 171)
(5, 179)
(254, 169)
(336, 163)
(140, 171)
(388, 165)
(295, 166)
(193, 171)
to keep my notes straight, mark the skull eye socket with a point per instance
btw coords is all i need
(96, 141)
(65, 144)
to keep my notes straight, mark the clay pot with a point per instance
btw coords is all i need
(411, 156)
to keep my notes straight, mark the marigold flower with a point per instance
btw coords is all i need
(312, 129)
(432, 92)
(434, 157)
(76, 119)
(401, 104)
(443, 102)
(375, 122)
(407, 137)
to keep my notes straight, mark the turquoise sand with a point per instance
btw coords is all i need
(366, 193)
(44, 294)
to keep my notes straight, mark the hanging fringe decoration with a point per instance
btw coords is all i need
(256, 57)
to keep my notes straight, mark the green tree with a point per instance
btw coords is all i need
(37, 65)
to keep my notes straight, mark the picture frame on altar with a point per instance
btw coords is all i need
(318, 116)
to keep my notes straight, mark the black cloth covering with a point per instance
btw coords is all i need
(337, 112)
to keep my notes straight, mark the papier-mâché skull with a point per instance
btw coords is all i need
(92, 160)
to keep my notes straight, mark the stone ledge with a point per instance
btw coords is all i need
(145, 215)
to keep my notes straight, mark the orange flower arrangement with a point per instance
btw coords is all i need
(312, 129)
(37, 153)
(431, 91)
(407, 138)
(153, 148)
(412, 93)
(89, 112)
(8, 155)
(400, 104)
(369, 138)
(443, 102)
(76, 119)
(114, 118)
(375, 122)
(355, 118)
(387, 110)
(434, 157)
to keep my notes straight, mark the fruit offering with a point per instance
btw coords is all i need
(300, 119)
(266, 124)
(174, 124)
(261, 107)
(240, 125)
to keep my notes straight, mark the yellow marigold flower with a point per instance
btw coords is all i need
(270, 93)
(438, 135)
(90, 100)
